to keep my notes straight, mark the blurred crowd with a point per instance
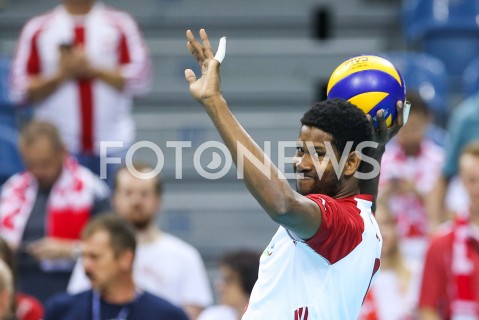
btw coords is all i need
(74, 238)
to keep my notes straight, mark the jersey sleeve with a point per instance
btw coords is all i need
(340, 231)
(134, 57)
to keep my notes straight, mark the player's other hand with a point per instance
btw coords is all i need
(383, 134)
(207, 87)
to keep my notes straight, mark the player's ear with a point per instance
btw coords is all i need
(352, 164)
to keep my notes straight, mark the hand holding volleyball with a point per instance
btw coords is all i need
(371, 83)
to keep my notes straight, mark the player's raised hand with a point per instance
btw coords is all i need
(383, 134)
(208, 86)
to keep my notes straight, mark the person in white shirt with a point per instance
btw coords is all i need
(164, 264)
(238, 274)
(79, 65)
(323, 258)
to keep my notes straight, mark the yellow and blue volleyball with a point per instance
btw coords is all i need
(371, 83)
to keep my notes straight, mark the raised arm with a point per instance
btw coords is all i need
(382, 136)
(273, 192)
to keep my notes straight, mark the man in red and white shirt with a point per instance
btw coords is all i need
(450, 283)
(80, 64)
(321, 261)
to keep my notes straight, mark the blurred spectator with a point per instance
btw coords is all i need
(450, 284)
(449, 194)
(394, 294)
(108, 255)
(238, 274)
(164, 265)
(43, 210)
(80, 64)
(6, 291)
(25, 306)
(410, 167)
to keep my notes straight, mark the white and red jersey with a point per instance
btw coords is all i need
(85, 111)
(326, 277)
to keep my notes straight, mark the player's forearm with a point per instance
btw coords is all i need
(40, 88)
(265, 182)
(370, 186)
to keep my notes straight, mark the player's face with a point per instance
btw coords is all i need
(229, 288)
(312, 165)
(136, 199)
(43, 161)
(101, 264)
(469, 172)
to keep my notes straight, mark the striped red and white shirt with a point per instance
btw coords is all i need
(85, 111)
(326, 277)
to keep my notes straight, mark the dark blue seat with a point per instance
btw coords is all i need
(448, 30)
(427, 75)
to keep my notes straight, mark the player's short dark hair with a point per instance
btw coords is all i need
(122, 234)
(341, 119)
(246, 264)
(140, 167)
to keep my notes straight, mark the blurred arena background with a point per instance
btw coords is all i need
(280, 54)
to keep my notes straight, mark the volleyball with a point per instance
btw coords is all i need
(371, 83)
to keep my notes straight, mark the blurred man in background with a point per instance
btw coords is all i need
(450, 284)
(80, 64)
(43, 210)
(108, 255)
(165, 265)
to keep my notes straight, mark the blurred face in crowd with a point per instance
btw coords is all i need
(135, 199)
(413, 132)
(43, 160)
(102, 265)
(387, 226)
(469, 173)
(229, 288)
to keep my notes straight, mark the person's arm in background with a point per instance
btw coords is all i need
(28, 83)
(133, 74)
(382, 136)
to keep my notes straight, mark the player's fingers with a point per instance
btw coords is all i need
(382, 125)
(206, 44)
(194, 53)
(399, 122)
(190, 76)
(196, 46)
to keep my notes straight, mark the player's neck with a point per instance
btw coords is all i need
(121, 291)
(148, 235)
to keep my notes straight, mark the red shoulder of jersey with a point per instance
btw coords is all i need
(341, 228)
